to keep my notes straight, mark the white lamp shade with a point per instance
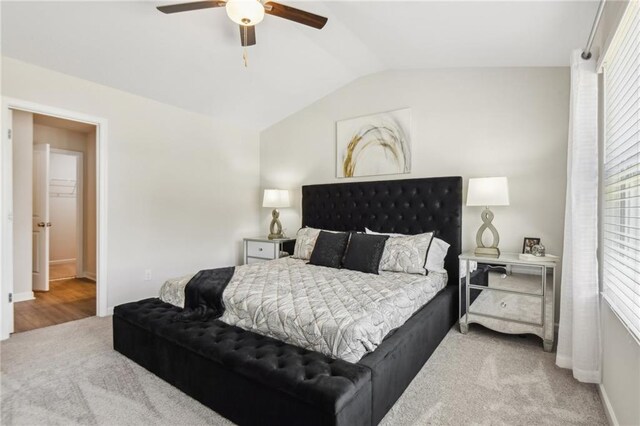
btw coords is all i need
(489, 191)
(245, 12)
(276, 198)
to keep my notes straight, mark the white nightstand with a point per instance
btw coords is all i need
(509, 295)
(260, 249)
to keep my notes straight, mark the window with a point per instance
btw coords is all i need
(621, 216)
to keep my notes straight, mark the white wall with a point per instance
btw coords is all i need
(182, 187)
(22, 205)
(465, 122)
(620, 369)
(468, 122)
(63, 210)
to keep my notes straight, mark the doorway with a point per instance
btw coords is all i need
(49, 159)
(52, 255)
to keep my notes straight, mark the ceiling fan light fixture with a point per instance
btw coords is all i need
(245, 12)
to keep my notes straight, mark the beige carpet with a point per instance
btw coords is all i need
(69, 374)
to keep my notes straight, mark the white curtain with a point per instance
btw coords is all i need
(579, 333)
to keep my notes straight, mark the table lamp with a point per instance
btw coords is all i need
(489, 191)
(275, 198)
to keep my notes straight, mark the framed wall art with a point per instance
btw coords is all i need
(373, 145)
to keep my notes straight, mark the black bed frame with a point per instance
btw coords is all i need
(251, 379)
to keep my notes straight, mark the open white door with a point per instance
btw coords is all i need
(41, 224)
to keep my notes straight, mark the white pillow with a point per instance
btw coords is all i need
(435, 256)
(391, 234)
(407, 253)
(305, 242)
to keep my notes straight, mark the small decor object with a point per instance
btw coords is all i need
(528, 244)
(490, 191)
(538, 250)
(531, 258)
(275, 198)
(374, 145)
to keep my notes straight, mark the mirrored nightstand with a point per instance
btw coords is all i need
(509, 295)
(260, 249)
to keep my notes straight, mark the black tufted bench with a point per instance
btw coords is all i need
(226, 367)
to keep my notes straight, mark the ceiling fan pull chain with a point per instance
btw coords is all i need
(244, 57)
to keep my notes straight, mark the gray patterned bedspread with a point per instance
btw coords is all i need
(341, 313)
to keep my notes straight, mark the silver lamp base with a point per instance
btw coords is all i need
(275, 228)
(481, 249)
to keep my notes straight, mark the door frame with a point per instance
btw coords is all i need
(79, 156)
(6, 204)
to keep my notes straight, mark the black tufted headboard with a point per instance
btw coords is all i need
(407, 206)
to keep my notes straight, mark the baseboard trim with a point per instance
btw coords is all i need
(22, 297)
(89, 275)
(61, 261)
(608, 409)
(109, 311)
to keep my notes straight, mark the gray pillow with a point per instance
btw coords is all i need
(406, 254)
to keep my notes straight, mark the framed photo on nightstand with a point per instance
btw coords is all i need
(528, 244)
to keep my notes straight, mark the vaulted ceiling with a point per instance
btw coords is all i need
(193, 60)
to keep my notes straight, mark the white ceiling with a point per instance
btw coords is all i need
(193, 60)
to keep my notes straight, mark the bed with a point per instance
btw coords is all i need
(251, 378)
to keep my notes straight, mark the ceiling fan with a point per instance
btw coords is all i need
(248, 13)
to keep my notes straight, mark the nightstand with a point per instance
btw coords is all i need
(509, 295)
(260, 249)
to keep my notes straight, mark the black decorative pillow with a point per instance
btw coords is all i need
(329, 249)
(364, 252)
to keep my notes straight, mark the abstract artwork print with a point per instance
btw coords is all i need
(373, 145)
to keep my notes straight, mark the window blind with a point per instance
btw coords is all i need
(621, 209)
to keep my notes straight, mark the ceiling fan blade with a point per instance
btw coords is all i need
(296, 15)
(185, 7)
(247, 35)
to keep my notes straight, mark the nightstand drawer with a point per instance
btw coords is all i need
(260, 249)
(527, 281)
(506, 305)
